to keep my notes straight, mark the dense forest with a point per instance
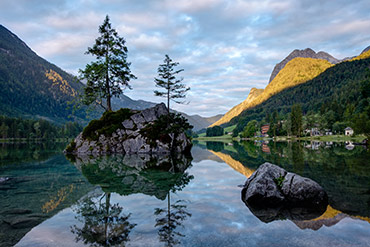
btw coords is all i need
(337, 98)
(31, 86)
(36, 129)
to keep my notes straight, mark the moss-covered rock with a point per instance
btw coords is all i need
(152, 130)
(107, 124)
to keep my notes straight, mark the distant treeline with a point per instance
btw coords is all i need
(36, 129)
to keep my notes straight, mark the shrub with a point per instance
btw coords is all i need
(71, 147)
(215, 131)
(163, 126)
(279, 181)
(107, 124)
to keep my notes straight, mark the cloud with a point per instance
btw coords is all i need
(225, 47)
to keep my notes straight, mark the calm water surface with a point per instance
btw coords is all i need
(47, 199)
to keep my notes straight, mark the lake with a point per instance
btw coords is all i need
(47, 199)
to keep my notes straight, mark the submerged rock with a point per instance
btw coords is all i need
(273, 193)
(128, 132)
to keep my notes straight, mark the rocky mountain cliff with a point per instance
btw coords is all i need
(308, 53)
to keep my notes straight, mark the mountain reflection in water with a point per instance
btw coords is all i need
(343, 173)
(141, 200)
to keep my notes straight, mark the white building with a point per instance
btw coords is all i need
(348, 131)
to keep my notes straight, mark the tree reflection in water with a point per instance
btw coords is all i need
(172, 218)
(103, 224)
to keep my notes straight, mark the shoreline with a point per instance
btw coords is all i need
(329, 138)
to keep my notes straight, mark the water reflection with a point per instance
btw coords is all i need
(155, 175)
(297, 214)
(343, 173)
(142, 194)
(36, 182)
(169, 219)
(104, 224)
(18, 152)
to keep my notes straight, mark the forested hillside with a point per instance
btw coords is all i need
(295, 72)
(31, 86)
(340, 94)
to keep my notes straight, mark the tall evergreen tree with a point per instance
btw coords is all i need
(296, 118)
(174, 89)
(110, 74)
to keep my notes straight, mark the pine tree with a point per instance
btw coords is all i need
(174, 89)
(110, 74)
(296, 118)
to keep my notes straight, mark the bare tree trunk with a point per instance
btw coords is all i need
(168, 97)
(109, 107)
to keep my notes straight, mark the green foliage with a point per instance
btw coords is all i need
(110, 72)
(296, 118)
(107, 124)
(215, 146)
(215, 131)
(164, 126)
(361, 124)
(250, 129)
(337, 95)
(25, 88)
(71, 147)
(41, 129)
(279, 181)
(173, 88)
(103, 224)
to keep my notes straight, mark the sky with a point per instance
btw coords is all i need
(225, 47)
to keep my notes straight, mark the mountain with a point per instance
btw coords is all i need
(126, 102)
(199, 122)
(307, 53)
(296, 71)
(366, 50)
(32, 87)
(338, 89)
(236, 110)
(364, 54)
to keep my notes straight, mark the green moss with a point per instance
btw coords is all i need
(279, 181)
(107, 124)
(71, 147)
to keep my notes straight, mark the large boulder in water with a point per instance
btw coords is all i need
(272, 193)
(128, 131)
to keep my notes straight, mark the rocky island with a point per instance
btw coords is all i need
(126, 131)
